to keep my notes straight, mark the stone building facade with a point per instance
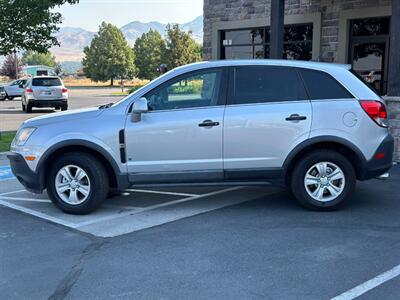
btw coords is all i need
(354, 32)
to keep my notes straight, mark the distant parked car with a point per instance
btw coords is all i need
(14, 89)
(44, 91)
(3, 94)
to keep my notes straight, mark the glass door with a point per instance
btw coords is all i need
(369, 45)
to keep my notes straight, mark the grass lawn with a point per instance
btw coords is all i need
(5, 140)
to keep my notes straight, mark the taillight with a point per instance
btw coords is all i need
(64, 90)
(376, 110)
(29, 91)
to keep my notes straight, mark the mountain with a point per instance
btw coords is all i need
(74, 39)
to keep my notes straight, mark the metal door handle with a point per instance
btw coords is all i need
(296, 117)
(208, 123)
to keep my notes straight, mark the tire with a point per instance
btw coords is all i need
(10, 98)
(335, 163)
(95, 183)
(64, 107)
(23, 106)
(28, 108)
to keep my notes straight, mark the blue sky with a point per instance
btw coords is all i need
(88, 14)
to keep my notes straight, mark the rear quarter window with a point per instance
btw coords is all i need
(321, 85)
(46, 82)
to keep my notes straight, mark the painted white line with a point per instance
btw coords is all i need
(369, 285)
(13, 192)
(24, 199)
(12, 178)
(161, 192)
(116, 206)
(37, 214)
(107, 218)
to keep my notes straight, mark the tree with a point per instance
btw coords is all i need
(35, 58)
(58, 69)
(9, 66)
(149, 52)
(109, 56)
(181, 48)
(29, 24)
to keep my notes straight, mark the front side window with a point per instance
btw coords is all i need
(260, 84)
(197, 89)
(321, 85)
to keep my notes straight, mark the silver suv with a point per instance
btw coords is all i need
(44, 91)
(313, 127)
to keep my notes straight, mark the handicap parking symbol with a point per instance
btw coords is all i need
(5, 173)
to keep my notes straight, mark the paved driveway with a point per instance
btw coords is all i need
(203, 243)
(12, 116)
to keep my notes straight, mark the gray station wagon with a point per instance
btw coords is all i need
(313, 127)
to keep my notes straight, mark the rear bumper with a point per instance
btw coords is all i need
(48, 103)
(381, 161)
(29, 179)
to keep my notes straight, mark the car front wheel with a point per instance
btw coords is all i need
(323, 180)
(77, 183)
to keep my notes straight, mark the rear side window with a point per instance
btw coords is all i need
(260, 84)
(321, 85)
(46, 82)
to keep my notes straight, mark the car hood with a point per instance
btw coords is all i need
(64, 116)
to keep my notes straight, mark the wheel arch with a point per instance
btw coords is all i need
(117, 180)
(351, 151)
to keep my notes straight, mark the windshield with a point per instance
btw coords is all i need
(46, 82)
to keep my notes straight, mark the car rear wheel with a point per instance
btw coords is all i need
(64, 107)
(77, 183)
(28, 108)
(10, 97)
(323, 180)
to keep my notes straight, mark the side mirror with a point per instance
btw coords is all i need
(139, 107)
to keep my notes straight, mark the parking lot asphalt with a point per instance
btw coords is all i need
(11, 114)
(202, 243)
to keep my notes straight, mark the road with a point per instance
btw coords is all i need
(12, 116)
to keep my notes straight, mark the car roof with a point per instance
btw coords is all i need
(266, 62)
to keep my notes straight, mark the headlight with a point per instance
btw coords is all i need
(23, 135)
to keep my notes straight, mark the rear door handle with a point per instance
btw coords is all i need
(296, 117)
(208, 123)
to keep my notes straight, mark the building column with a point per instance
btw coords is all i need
(394, 56)
(277, 28)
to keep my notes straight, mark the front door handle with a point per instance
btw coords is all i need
(208, 123)
(296, 117)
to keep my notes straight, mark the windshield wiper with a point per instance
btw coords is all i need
(106, 105)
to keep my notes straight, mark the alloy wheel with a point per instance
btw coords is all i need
(72, 184)
(324, 181)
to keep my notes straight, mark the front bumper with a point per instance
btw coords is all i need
(379, 165)
(32, 181)
(48, 103)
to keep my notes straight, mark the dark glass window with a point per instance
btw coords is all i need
(371, 26)
(258, 84)
(254, 43)
(244, 37)
(244, 52)
(321, 85)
